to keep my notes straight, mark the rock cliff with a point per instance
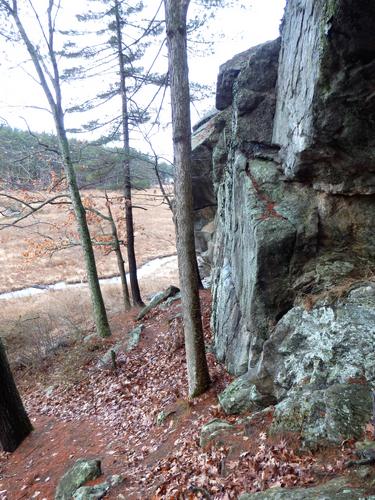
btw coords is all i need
(284, 187)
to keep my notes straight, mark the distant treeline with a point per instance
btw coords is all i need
(27, 160)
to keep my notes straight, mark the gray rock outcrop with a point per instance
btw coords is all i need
(289, 165)
(98, 490)
(160, 297)
(338, 489)
(83, 470)
(325, 104)
(333, 343)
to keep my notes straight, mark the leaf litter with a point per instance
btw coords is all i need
(114, 413)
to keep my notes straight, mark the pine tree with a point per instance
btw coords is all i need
(116, 21)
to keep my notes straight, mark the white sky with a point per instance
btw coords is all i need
(240, 29)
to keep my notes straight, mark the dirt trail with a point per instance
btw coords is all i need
(112, 416)
(109, 415)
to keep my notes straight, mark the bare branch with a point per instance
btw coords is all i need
(32, 210)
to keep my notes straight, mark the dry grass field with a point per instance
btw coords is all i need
(154, 236)
(35, 327)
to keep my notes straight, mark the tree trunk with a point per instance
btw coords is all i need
(124, 283)
(100, 313)
(136, 294)
(14, 422)
(198, 376)
(55, 103)
(119, 257)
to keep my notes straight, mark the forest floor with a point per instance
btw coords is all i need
(79, 411)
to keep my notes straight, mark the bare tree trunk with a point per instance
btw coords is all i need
(53, 95)
(124, 283)
(170, 205)
(198, 376)
(14, 422)
(134, 285)
(120, 259)
(100, 314)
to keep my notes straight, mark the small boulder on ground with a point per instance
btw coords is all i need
(163, 416)
(240, 396)
(134, 337)
(160, 297)
(213, 430)
(98, 490)
(83, 470)
(327, 416)
(341, 488)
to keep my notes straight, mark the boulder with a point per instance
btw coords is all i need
(82, 471)
(240, 396)
(162, 416)
(158, 299)
(133, 338)
(213, 430)
(169, 302)
(320, 365)
(324, 417)
(98, 490)
(338, 488)
(333, 343)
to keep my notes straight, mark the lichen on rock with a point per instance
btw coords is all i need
(83, 470)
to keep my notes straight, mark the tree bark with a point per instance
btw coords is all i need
(170, 205)
(119, 257)
(14, 422)
(100, 313)
(132, 262)
(176, 15)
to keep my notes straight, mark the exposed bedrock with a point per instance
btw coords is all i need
(284, 188)
(325, 113)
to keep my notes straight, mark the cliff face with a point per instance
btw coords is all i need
(288, 164)
(324, 119)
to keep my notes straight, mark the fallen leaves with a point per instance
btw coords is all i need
(166, 461)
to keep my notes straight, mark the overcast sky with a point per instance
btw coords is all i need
(233, 30)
